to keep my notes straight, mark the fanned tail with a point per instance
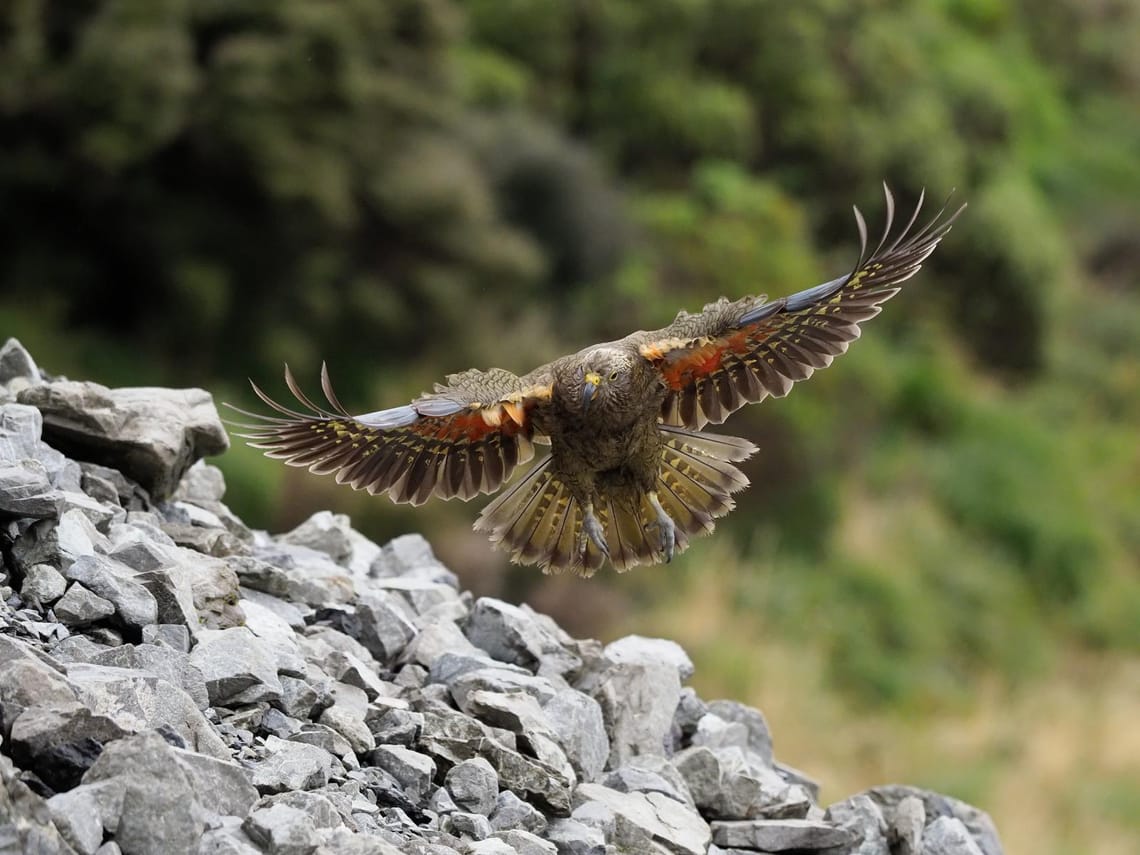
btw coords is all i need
(538, 522)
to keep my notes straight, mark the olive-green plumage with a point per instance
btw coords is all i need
(629, 475)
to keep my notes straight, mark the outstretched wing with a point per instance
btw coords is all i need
(463, 439)
(736, 353)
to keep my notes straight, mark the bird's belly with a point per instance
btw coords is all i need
(615, 459)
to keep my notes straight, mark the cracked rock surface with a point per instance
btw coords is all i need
(174, 682)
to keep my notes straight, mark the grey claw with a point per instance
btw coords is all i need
(666, 528)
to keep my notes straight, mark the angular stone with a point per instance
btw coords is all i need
(29, 679)
(21, 428)
(978, 822)
(730, 783)
(291, 822)
(471, 826)
(26, 490)
(17, 363)
(947, 835)
(577, 719)
(513, 634)
(295, 573)
(779, 835)
(385, 629)
(863, 818)
(411, 555)
(137, 701)
(220, 786)
(347, 717)
(759, 738)
(43, 584)
(571, 837)
(276, 632)
(412, 769)
(60, 741)
(324, 532)
(170, 635)
(650, 774)
(159, 811)
(525, 842)
(499, 680)
(289, 765)
(642, 650)
(25, 819)
(113, 581)
(473, 785)
(238, 667)
(151, 435)
(78, 814)
(512, 812)
(650, 817)
(638, 701)
(79, 607)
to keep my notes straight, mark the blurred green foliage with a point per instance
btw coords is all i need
(192, 193)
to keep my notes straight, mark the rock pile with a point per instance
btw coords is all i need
(171, 681)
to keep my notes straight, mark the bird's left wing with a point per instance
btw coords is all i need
(735, 353)
(463, 439)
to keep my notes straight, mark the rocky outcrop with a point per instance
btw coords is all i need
(171, 681)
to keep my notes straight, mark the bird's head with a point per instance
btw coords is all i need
(605, 378)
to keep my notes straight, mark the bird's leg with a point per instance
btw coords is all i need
(591, 531)
(665, 526)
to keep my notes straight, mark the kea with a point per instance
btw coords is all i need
(630, 476)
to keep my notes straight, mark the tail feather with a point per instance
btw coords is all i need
(538, 522)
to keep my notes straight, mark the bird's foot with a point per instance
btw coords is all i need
(666, 528)
(592, 531)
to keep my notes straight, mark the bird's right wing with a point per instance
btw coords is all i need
(463, 439)
(735, 353)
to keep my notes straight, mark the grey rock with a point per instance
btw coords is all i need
(759, 737)
(17, 363)
(202, 484)
(151, 435)
(525, 842)
(947, 835)
(794, 776)
(490, 846)
(413, 770)
(644, 819)
(57, 542)
(395, 726)
(360, 673)
(411, 555)
(642, 650)
(60, 741)
(905, 825)
(577, 719)
(511, 812)
(220, 786)
(295, 573)
(347, 717)
(321, 736)
(473, 785)
(21, 428)
(425, 597)
(26, 824)
(638, 701)
(138, 701)
(779, 835)
(470, 825)
(43, 584)
(385, 627)
(499, 680)
(79, 816)
(289, 765)
(650, 774)
(28, 679)
(226, 841)
(289, 824)
(298, 699)
(714, 732)
(437, 640)
(864, 819)
(170, 635)
(729, 783)
(513, 634)
(690, 710)
(112, 487)
(571, 837)
(113, 581)
(26, 490)
(276, 632)
(238, 667)
(978, 822)
(79, 607)
(159, 811)
(324, 532)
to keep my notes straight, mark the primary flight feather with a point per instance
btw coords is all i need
(630, 476)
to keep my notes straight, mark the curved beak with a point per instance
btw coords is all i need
(589, 390)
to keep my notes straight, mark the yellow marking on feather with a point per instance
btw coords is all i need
(494, 415)
(516, 412)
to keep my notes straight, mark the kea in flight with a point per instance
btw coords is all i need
(630, 476)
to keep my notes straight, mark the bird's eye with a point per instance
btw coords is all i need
(614, 376)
